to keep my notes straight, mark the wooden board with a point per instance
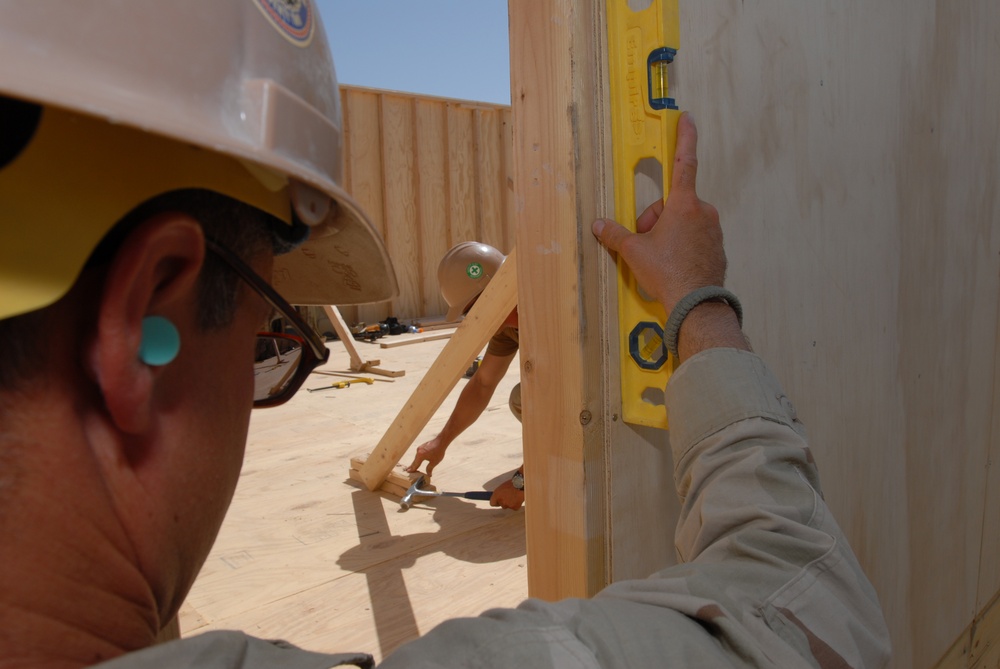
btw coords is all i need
(363, 169)
(462, 170)
(489, 173)
(402, 222)
(610, 507)
(430, 172)
(415, 339)
(397, 482)
(432, 175)
(978, 647)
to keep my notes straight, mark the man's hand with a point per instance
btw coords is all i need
(507, 496)
(678, 246)
(432, 452)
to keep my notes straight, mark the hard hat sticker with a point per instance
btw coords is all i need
(292, 18)
(474, 270)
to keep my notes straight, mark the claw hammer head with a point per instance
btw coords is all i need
(415, 489)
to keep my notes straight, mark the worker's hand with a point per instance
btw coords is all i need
(432, 452)
(507, 496)
(678, 246)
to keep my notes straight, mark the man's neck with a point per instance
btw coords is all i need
(71, 591)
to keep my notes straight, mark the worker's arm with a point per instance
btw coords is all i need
(677, 249)
(471, 403)
(769, 578)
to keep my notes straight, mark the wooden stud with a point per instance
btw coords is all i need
(344, 333)
(397, 482)
(415, 340)
(402, 234)
(462, 169)
(595, 486)
(432, 198)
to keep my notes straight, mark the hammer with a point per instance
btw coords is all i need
(416, 491)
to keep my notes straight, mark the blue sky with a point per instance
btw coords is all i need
(451, 48)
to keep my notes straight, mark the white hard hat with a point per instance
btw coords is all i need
(141, 98)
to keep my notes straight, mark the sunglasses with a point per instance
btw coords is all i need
(282, 361)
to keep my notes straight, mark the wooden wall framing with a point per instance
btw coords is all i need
(853, 150)
(597, 485)
(431, 172)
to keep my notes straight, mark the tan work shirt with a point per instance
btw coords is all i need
(767, 579)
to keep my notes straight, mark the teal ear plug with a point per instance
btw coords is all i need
(161, 342)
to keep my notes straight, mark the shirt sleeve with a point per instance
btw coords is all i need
(503, 343)
(767, 579)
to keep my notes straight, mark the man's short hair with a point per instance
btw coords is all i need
(245, 230)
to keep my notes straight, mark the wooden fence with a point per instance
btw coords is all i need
(431, 172)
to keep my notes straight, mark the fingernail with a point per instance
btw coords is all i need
(598, 226)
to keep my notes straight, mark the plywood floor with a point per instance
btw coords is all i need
(309, 556)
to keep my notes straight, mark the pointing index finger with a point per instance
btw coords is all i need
(685, 155)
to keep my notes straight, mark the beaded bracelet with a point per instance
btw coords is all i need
(689, 302)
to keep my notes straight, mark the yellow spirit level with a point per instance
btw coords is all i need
(641, 45)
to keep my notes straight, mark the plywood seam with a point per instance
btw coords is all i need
(449, 209)
(505, 212)
(477, 173)
(989, 465)
(418, 211)
(382, 171)
(606, 282)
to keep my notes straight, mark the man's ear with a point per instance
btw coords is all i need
(155, 272)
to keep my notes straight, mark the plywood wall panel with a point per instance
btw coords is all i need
(432, 177)
(507, 181)
(402, 222)
(462, 173)
(430, 172)
(489, 177)
(363, 168)
(851, 149)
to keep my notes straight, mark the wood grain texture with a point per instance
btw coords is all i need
(430, 172)
(851, 151)
(462, 174)
(363, 167)
(489, 177)
(989, 555)
(402, 221)
(609, 506)
(344, 333)
(414, 339)
(507, 178)
(432, 177)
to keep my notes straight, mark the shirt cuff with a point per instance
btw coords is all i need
(719, 387)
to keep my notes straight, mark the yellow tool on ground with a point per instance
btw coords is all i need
(641, 46)
(344, 384)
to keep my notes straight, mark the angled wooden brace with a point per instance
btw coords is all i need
(357, 364)
(481, 323)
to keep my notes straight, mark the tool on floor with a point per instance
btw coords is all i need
(343, 384)
(416, 490)
(351, 376)
(641, 46)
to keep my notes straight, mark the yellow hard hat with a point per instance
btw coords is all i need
(139, 99)
(464, 272)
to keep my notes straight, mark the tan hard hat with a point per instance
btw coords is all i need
(464, 272)
(139, 98)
